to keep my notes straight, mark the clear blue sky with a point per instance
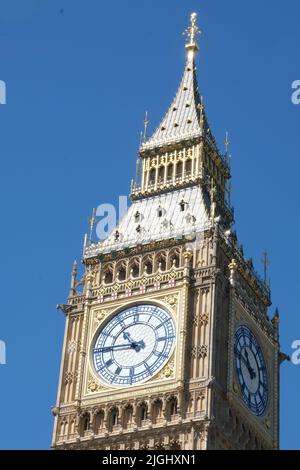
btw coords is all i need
(79, 76)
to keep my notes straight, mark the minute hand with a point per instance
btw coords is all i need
(116, 346)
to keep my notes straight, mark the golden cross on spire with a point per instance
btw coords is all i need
(191, 32)
(146, 123)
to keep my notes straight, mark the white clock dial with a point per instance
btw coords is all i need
(134, 345)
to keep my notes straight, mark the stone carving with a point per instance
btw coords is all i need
(72, 346)
(70, 377)
(171, 300)
(168, 371)
(93, 386)
(199, 351)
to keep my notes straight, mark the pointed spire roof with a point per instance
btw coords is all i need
(185, 118)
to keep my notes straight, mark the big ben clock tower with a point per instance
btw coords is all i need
(168, 344)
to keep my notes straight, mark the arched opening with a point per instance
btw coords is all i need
(122, 274)
(172, 409)
(63, 428)
(152, 174)
(179, 170)
(174, 260)
(157, 412)
(160, 262)
(135, 269)
(188, 167)
(99, 422)
(161, 174)
(113, 419)
(142, 414)
(128, 417)
(84, 426)
(170, 172)
(108, 275)
(147, 266)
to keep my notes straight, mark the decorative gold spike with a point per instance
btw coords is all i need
(227, 142)
(230, 194)
(92, 221)
(84, 244)
(146, 123)
(266, 263)
(137, 167)
(200, 106)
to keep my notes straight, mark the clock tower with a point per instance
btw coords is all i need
(168, 343)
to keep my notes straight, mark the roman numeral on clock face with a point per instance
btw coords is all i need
(148, 369)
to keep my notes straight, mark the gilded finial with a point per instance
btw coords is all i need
(73, 280)
(227, 142)
(92, 221)
(191, 32)
(75, 267)
(230, 194)
(137, 168)
(146, 123)
(266, 263)
(275, 319)
(200, 107)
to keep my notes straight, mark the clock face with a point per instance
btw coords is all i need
(251, 370)
(134, 345)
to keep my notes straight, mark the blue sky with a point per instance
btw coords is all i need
(79, 76)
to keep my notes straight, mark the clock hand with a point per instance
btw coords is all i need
(137, 345)
(116, 346)
(247, 364)
(126, 335)
(251, 370)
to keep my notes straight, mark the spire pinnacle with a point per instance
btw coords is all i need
(146, 123)
(191, 32)
(227, 142)
(92, 221)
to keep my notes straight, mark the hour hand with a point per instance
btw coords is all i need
(247, 364)
(126, 335)
(137, 345)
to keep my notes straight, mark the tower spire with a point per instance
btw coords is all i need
(185, 118)
(191, 32)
